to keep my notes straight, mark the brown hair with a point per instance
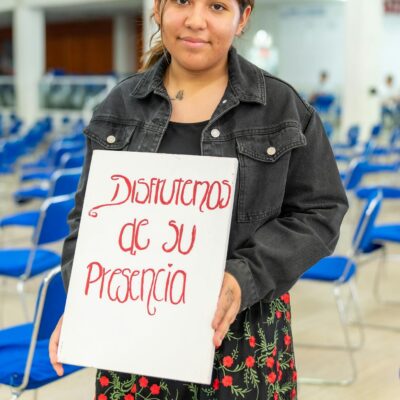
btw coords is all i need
(157, 50)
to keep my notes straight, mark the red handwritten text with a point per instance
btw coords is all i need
(178, 233)
(131, 232)
(205, 195)
(148, 285)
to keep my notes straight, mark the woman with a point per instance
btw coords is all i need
(197, 96)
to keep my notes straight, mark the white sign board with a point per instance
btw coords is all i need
(149, 264)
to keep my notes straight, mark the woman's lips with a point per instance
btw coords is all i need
(193, 42)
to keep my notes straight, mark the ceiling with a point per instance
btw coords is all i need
(83, 11)
(126, 7)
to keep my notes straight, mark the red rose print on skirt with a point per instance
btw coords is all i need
(143, 382)
(250, 362)
(227, 361)
(252, 341)
(227, 381)
(155, 389)
(104, 381)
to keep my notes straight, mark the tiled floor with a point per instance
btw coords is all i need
(314, 320)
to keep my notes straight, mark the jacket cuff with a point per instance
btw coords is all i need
(241, 272)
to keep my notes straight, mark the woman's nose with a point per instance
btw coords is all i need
(196, 18)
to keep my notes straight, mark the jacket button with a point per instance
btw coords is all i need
(215, 133)
(271, 151)
(111, 139)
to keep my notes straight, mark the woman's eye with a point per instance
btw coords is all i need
(182, 2)
(218, 7)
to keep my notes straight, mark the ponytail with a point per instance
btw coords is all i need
(151, 56)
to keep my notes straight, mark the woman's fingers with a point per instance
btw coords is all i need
(227, 308)
(53, 348)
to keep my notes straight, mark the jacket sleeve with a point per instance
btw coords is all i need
(307, 229)
(74, 220)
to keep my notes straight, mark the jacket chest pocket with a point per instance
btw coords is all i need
(263, 167)
(107, 135)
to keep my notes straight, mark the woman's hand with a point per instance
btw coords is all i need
(53, 347)
(227, 308)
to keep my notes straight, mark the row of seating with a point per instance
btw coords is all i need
(369, 243)
(27, 343)
(24, 360)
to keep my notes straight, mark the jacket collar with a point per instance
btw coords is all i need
(246, 80)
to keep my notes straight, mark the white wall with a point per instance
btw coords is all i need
(310, 38)
(391, 48)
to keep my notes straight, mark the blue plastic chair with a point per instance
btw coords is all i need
(391, 147)
(388, 192)
(25, 263)
(361, 166)
(64, 181)
(24, 357)
(381, 235)
(44, 169)
(340, 270)
(353, 135)
(73, 160)
(323, 103)
(328, 129)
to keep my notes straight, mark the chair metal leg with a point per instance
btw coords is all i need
(377, 283)
(15, 395)
(343, 320)
(348, 347)
(22, 294)
(378, 275)
(359, 320)
(3, 285)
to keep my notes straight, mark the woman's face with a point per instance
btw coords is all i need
(199, 33)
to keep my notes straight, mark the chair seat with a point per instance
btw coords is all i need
(37, 164)
(6, 170)
(387, 232)
(13, 360)
(13, 261)
(30, 176)
(16, 335)
(330, 269)
(36, 192)
(28, 218)
(389, 192)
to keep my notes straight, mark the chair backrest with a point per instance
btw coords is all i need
(394, 136)
(50, 304)
(52, 225)
(72, 160)
(361, 239)
(64, 181)
(323, 102)
(65, 148)
(376, 130)
(353, 135)
(328, 129)
(355, 173)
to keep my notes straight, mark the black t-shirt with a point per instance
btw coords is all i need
(182, 138)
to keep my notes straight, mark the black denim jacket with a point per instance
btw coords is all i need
(289, 200)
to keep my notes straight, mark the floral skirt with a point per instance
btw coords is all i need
(255, 361)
